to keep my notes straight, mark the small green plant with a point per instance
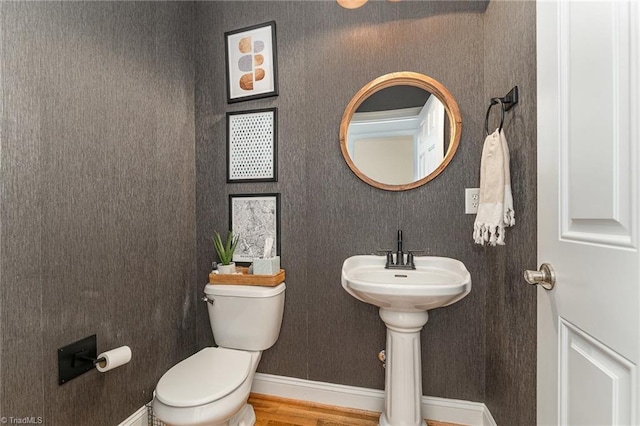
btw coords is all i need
(225, 251)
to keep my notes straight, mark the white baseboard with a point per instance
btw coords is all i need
(488, 418)
(441, 409)
(139, 418)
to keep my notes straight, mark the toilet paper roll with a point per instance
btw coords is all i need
(114, 358)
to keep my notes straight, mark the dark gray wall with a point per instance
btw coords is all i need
(509, 60)
(97, 206)
(325, 55)
(98, 211)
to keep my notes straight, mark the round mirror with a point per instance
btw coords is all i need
(400, 131)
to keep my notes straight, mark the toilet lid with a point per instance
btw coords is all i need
(204, 377)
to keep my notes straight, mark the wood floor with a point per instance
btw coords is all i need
(274, 411)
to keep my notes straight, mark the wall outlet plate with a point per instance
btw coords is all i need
(471, 200)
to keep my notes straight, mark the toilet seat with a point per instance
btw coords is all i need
(204, 377)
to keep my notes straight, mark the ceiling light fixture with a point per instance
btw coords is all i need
(351, 4)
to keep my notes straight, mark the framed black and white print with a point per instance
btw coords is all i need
(252, 146)
(254, 218)
(252, 70)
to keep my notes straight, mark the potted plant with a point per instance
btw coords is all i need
(225, 252)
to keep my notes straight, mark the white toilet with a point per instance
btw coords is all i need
(212, 386)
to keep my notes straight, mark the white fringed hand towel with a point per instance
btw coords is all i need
(509, 217)
(495, 208)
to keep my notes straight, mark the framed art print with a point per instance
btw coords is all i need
(252, 70)
(254, 218)
(252, 146)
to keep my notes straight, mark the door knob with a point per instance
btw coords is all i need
(545, 277)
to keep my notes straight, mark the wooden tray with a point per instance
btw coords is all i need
(247, 279)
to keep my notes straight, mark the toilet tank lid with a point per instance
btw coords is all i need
(243, 290)
(204, 377)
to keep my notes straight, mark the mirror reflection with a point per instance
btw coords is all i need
(400, 131)
(397, 135)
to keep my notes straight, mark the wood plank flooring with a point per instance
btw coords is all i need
(275, 411)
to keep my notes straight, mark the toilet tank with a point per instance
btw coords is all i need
(245, 317)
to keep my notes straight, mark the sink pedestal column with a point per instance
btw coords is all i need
(403, 375)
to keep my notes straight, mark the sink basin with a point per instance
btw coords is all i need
(404, 296)
(436, 282)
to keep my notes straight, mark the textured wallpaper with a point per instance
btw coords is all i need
(325, 55)
(113, 165)
(97, 215)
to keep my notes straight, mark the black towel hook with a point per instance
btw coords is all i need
(506, 103)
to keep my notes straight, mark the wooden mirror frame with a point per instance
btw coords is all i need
(404, 78)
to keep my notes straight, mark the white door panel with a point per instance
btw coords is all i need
(589, 324)
(596, 382)
(594, 86)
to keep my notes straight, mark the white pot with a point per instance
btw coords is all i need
(227, 269)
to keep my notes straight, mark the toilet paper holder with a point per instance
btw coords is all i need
(78, 358)
(81, 357)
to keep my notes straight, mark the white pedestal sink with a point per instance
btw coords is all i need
(404, 296)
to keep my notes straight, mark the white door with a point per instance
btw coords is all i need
(430, 137)
(588, 219)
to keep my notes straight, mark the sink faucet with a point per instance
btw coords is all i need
(399, 253)
(399, 262)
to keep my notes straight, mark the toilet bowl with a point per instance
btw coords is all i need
(212, 387)
(207, 388)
